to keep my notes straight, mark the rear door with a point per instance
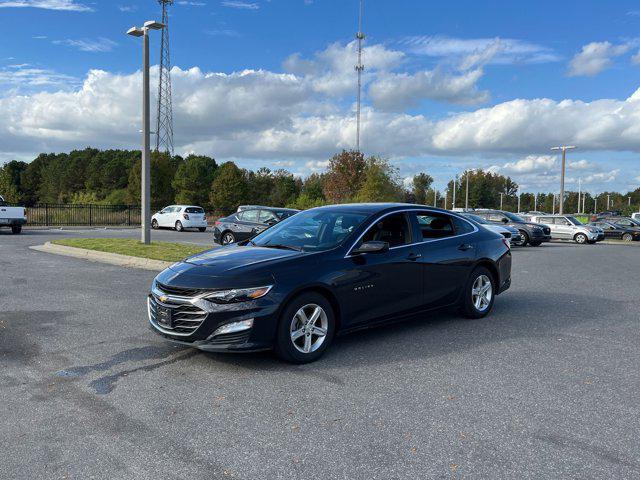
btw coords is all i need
(248, 220)
(447, 252)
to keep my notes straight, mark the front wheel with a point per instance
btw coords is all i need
(581, 238)
(179, 226)
(479, 294)
(524, 239)
(627, 237)
(305, 329)
(228, 238)
(16, 229)
(536, 244)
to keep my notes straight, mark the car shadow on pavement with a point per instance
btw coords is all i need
(437, 333)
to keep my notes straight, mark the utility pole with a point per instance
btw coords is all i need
(579, 192)
(145, 177)
(608, 202)
(535, 202)
(564, 149)
(359, 69)
(435, 197)
(164, 120)
(595, 204)
(553, 208)
(518, 193)
(501, 195)
(453, 205)
(466, 193)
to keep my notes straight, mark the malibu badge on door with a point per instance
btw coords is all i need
(164, 316)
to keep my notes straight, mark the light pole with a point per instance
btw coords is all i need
(145, 177)
(535, 202)
(501, 195)
(608, 202)
(466, 193)
(564, 149)
(579, 193)
(453, 206)
(435, 197)
(519, 202)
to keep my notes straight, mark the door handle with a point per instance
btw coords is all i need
(414, 256)
(465, 246)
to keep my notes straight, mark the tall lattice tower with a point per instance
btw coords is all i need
(359, 69)
(164, 126)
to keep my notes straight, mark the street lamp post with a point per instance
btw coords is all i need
(145, 177)
(519, 202)
(453, 205)
(501, 195)
(564, 149)
(466, 193)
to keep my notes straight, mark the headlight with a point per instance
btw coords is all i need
(237, 294)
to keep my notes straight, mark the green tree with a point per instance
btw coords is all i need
(163, 169)
(260, 186)
(285, 188)
(228, 189)
(381, 183)
(420, 187)
(8, 189)
(193, 178)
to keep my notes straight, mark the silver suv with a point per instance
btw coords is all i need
(568, 227)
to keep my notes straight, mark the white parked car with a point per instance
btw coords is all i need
(180, 217)
(568, 227)
(635, 216)
(13, 217)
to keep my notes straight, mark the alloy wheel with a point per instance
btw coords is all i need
(482, 293)
(581, 238)
(179, 227)
(627, 237)
(228, 238)
(308, 328)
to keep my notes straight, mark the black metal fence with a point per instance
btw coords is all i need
(62, 214)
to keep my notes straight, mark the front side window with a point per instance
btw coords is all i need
(496, 217)
(435, 225)
(266, 215)
(393, 229)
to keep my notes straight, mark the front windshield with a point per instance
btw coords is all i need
(476, 218)
(513, 217)
(311, 230)
(574, 220)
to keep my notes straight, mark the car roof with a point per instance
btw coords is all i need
(372, 208)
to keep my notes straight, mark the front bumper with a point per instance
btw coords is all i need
(217, 235)
(194, 321)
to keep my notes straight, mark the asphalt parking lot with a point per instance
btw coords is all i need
(547, 387)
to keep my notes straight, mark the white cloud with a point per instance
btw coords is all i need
(21, 77)
(127, 8)
(595, 57)
(87, 45)
(191, 4)
(240, 5)
(69, 5)
(507, 50)
(223, 32)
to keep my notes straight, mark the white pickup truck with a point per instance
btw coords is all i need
(13, 217)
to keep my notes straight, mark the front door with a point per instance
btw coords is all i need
(246, 224)
(379, 286)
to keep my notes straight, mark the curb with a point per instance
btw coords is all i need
(103, 257)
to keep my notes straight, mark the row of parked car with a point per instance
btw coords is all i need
(531, 228)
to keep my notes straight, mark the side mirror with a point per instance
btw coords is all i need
(505, 220)
(374, 246)
(271, 222)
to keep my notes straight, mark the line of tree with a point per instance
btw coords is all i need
(92, 176)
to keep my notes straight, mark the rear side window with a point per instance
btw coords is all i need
(266, 215)
(194, 210)
(250, 216)
(496, 217)
(462, 226)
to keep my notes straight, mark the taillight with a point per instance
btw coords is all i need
(506, 243)
(185, 216)
(218, 222)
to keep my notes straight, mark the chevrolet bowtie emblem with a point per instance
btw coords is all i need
(163, 298)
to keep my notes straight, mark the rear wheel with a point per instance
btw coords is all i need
(202, 229)
(535, 244)
(581, 238)
(179, 226)
(627, 237)
(227, 238)
(16, 229)
(305, 329)
(479, 294)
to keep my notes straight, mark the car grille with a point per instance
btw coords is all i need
(186, 318)
(179, 291)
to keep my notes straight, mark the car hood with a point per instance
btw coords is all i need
(230, 259)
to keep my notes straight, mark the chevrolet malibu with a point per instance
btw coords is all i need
(328, 271)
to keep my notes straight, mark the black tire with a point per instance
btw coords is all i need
(179, 227)
(154, 224)
(627, 237)
(525, 239)
(16, 229)
(592, 242)
(468, 303)
(581, 238)
(536, 243)
(202, 229)
(227, 238)
(285, 347)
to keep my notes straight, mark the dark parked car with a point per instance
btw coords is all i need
(325, 271)
(531, 233)
(613, 230)
(246, 223)
(626, 222)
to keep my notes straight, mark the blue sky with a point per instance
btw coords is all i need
(448, 85)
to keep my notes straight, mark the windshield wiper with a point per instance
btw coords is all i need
(283, 247)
